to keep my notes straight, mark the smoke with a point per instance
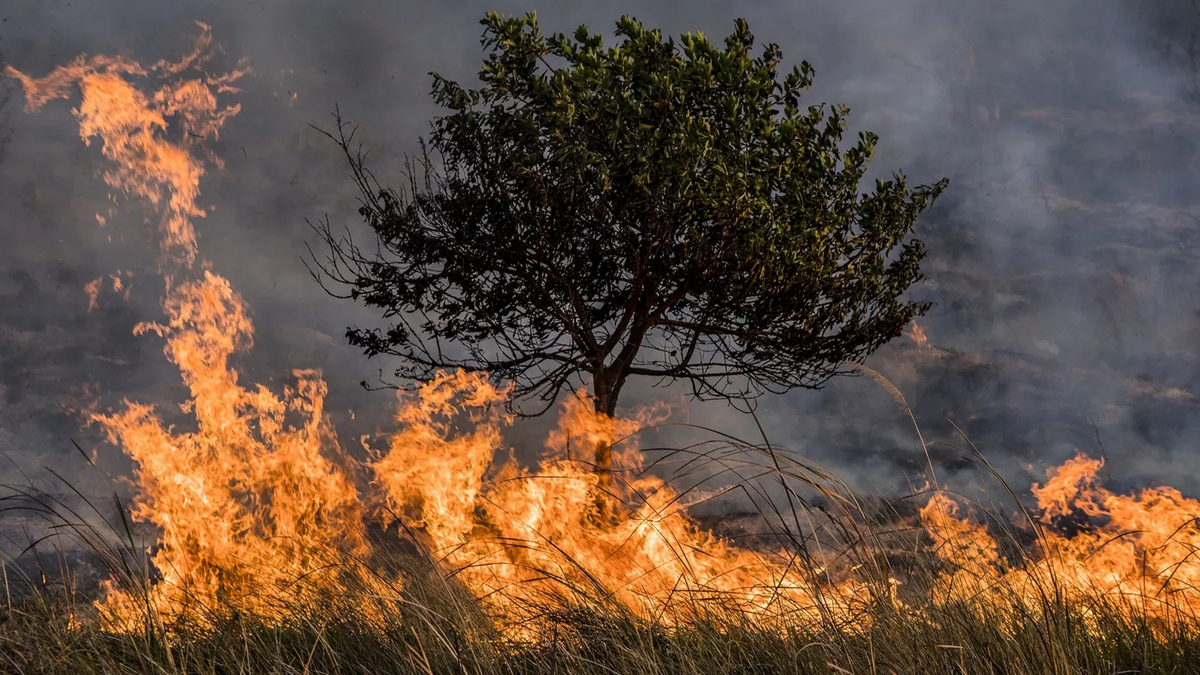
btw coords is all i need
(1061, 260)
(6, 96)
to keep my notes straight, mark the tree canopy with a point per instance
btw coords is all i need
(654, 208)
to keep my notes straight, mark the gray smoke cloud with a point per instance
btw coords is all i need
(1062, 260)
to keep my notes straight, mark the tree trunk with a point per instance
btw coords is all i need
(606, 404)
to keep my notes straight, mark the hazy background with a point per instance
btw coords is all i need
(1062, 260)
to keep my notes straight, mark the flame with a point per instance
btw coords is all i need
(253, 506)
(527, 539)
(1133, 552)
(95, 286)
(133, 127)
(92, 288)
(248, 503)
(966, 546)
(916, 333)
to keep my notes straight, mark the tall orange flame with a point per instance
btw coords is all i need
(252, 501)
(133, 128)
(248, 504)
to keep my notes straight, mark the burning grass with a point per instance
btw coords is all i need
(936, 592)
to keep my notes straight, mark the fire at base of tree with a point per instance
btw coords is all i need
(272, 550)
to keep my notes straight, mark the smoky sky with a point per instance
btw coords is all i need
(1062, 260)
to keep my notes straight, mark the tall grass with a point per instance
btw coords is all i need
(433, 630)
(408, 614)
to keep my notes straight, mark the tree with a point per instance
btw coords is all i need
(653, 208)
